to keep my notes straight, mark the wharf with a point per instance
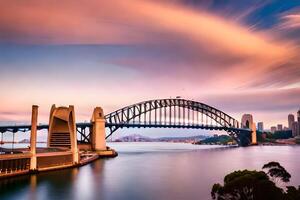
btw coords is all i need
(18, 162)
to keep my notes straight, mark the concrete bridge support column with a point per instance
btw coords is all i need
(34, 118)
(73, 135)
(98, 132)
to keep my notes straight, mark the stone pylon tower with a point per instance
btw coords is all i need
(62, 129)
(33, 136)
(98, 133)
(247, 122)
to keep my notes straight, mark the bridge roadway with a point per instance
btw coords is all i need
(25, 128)
(238, 133)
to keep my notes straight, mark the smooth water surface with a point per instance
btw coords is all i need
(150, 171)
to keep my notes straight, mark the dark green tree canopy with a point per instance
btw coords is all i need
(246, 185)
(255, 185)
(275, 170)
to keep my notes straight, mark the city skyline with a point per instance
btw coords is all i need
(85, 55)
(288, 125)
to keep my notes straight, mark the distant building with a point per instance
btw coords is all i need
(273, 129)
(260, 126)
(291, 120)
(295, 129)
(298, 116)
(279, 127)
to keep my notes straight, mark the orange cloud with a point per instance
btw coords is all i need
(141, 22)
(134, 21)
(195, 50)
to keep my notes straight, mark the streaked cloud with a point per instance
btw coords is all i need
(146, 49)
(291, 21)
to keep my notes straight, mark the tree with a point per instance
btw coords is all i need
(292, 193)
(277, 172)
(247, 185)
(256, 185)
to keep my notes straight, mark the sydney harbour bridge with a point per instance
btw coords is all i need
(161, 113)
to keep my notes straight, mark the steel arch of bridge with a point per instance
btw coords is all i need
(159, 113)
(170, 113)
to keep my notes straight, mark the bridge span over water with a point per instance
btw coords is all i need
(71, 144)
(158, 113)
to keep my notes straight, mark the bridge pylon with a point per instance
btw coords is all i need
(62, 130)
(33, 136)
(98, 130)
(247, 122)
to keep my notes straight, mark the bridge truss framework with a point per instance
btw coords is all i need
(159, 113)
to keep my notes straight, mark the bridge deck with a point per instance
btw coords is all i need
(25, 128)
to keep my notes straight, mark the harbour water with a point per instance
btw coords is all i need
(150, 171)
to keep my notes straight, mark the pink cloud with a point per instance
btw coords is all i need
(141, 21)
(291, 21)
(185, 51)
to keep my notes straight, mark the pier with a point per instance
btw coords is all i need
(62, 151)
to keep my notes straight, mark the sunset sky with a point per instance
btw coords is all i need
(238, 56)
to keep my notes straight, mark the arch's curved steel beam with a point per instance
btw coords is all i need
(125, 116)
(171, 109)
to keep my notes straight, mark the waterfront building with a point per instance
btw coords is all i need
(291, 119)
(273, 129)
(260, 126)
(295, 129)
(279, 127)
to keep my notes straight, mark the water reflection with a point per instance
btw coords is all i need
(152, 172)
(33, 184)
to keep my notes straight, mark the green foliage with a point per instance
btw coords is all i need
(259, 136)
(275, 170)
(282, 134)
(222, 139)
(255, 185)
(272, 137)
(247, 185)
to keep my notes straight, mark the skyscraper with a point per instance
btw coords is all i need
(279, 127)
(295, 129)
(273, 129)
(291, 119)
(260, 126)
(298, 116)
